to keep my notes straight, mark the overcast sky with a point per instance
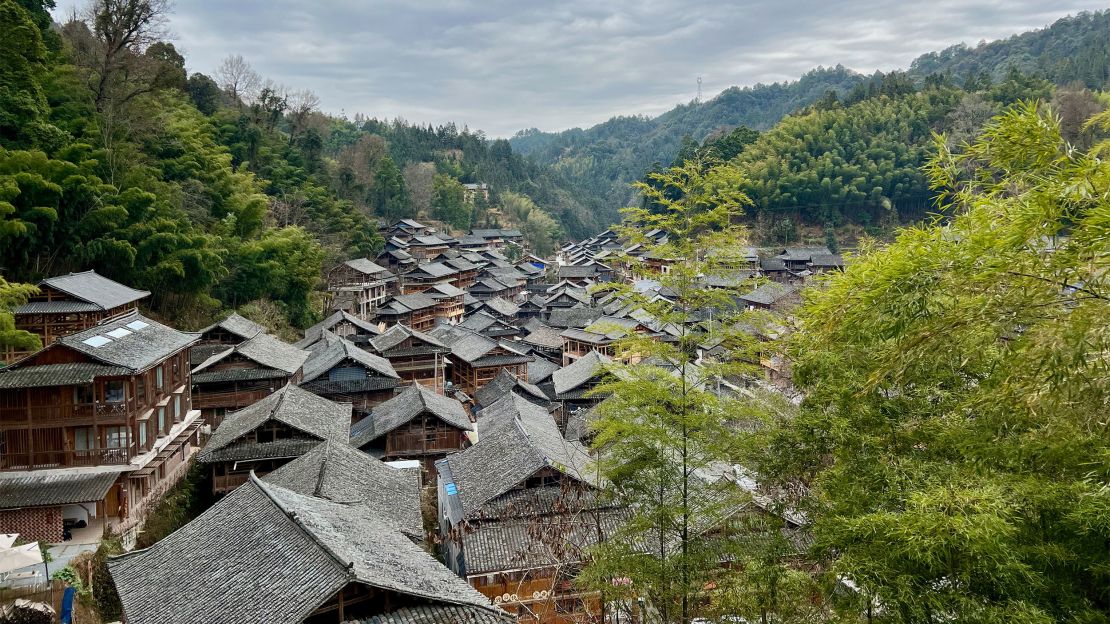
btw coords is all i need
(505, 65)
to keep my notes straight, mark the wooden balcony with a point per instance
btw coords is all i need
(67, 458)
(67, 415)
(231, 399)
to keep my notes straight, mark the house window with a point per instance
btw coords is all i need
(158, 378)
(177, 415)
(161, 419)
(142, 433)
(82, 395)
(114, 392)
(346, 373)
(140, 388)
(83, 439)
(115, 437)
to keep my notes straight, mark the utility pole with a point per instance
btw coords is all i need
(698, 100)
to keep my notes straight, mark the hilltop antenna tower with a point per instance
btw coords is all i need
(698, 100)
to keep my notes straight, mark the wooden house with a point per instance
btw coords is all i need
(487, 325)
(397, 260)
(67, 304)
(449, 303)
(767, 296)
(501, 308)
(467, 271)
(339, 370)
(545, 341)
(820, 263)
(270, 434)
(236, 376)
(342, 324)
(417, 424)
(476, 359)
(265, 553)
(405, 229)
(417, 311)
(798, 258)
(489, 287)
(506, 383)
(415, 356)
(495, 496)
(428, 246)
(112, 401)
(358, 286)
(426, 275)
(573, 383)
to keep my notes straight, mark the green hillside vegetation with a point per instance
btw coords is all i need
(213, 192)
(604, 159)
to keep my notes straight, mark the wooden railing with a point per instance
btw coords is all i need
(72, 414)
(67, 458)
(228, 398)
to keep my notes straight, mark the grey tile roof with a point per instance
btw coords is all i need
(479, 322)
(237, 325)
(578, 316)
(444, 290)
(413, 401)
(341, 473)
(470, 346)
(502, 306)
(255, 451)
(411, 302)
(541, 369)
(263, 349)
(312, 334)
(94, 288)
(375, 554)
(826, 260)
(266, 554)
(803, 254)
(506, 382)
(239, 374)
(439, 614)
(544, 336)
(433, 269)
(767, 294)
(332, 350)
(572, 376)
(316, 417)
(489, 284)
(46, 489)
(514, 544)
(244, 561)
(271, 352)
(399, 333)
(46, 375)
(772, 264)
(367, 266)
(145, 343)
(573, 271)
(516, 438)
(55, 307)
(460, 264)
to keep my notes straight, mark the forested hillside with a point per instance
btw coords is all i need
(603, 159)
(215, 192)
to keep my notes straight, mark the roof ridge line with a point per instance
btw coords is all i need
(347, 566)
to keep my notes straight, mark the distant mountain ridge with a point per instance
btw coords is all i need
(601, 161)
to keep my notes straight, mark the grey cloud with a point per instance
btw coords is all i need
(504, 65)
